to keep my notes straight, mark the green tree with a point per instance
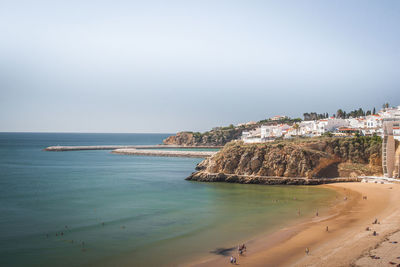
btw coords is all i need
(296, 126)
(306, 116)
(360, 112)
(339, 114)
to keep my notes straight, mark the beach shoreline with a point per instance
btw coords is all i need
(346, 241)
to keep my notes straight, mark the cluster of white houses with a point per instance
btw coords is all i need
(368, 125)
(385, 124)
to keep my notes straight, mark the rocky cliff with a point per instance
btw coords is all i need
(211, 138)
(311, 158)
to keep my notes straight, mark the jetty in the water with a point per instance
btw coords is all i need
(145, 150)
(164, 153)
(112, 147)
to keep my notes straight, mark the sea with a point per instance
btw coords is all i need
(94, 208)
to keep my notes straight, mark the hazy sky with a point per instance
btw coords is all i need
(165, 66)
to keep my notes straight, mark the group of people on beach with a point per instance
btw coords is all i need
(241, 249)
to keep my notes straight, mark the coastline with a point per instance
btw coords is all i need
(346, 241)
(202, 176)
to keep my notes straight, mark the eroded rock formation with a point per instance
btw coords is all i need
(305, 158)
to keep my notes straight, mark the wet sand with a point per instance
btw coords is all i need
(346, 243)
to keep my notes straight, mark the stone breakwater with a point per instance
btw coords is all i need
(76, 148)
(265, 180)
(164, 153)
(112, 147)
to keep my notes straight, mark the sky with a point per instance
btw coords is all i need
(168, 66)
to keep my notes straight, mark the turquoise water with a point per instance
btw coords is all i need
(151, 215)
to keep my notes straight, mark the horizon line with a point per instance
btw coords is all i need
(86, 132)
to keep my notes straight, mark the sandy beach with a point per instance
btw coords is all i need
(347, 241)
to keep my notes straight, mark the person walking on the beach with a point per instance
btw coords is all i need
(240, 249)
(234, 260)
(307, 251)
(327, 229)
(231, 259)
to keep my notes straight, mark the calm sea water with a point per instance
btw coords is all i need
(117, 210)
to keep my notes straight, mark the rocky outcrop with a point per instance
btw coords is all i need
(217, 137)
(181, 138)
(311, 158)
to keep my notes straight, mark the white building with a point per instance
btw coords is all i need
(390, 113)
(373, 121)
(396, 133)
(308, 128)
(253, 136)
(273, 131)
(357, 123)
(330, 125)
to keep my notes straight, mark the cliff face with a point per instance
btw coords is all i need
(309, 158)
(182, 138)
(211, 138)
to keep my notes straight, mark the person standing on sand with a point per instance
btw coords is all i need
(231, 259)
(307, 251)
(327, 229)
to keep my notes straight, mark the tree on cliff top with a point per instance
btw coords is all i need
(296, 126)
